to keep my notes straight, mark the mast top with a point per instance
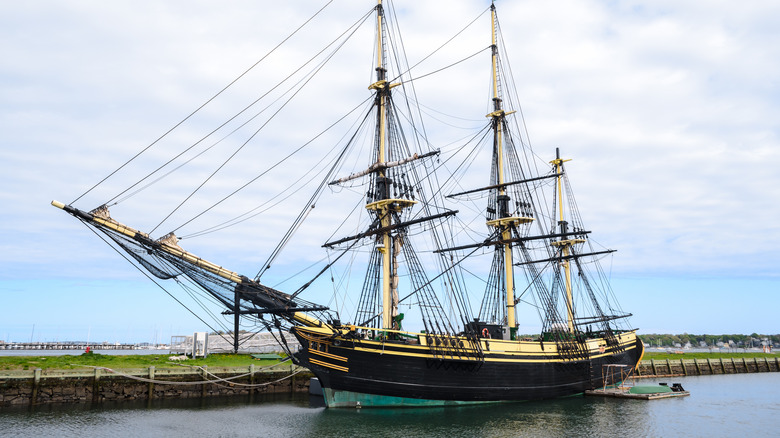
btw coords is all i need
(558, 160)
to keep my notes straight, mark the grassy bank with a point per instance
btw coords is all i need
(672, 356)
(68, 362)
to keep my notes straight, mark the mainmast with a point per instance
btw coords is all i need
(505, 221)
(565, 243)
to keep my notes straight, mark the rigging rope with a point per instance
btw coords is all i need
(222, 126)
(491, 237)
(94, 230)
(249, 214)
(310, 204)
(449, 66)
(442, 46)
(204, 104)
(245, 143)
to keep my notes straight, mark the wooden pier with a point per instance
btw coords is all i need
(705, 367)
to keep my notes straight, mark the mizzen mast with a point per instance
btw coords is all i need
(566, 242)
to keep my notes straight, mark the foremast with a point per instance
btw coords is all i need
(505, 222)
(385, 205)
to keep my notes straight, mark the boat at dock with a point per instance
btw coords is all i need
(643, 392)
(627, 388)
(422, 241)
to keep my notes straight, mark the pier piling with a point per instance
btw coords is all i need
(36, 385)
(151, 384)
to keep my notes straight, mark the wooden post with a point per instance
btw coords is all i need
(151, 384)
(292, 379)
(251, 381)
(698, 370)
(722, 366)
(36, 384)
(734, 365)
(236, 316)
(669, 366)
(652, 363)
(204, 373)
(96, 386)
(682, 363)
(709, 362)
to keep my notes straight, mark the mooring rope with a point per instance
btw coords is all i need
(216, 380)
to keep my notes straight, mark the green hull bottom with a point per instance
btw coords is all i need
(349, 399)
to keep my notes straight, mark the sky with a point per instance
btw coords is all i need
(668, 109)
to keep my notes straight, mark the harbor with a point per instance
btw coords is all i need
(448, 282)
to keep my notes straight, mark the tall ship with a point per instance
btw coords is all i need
(444, 278)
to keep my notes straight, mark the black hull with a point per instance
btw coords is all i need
(368, 373)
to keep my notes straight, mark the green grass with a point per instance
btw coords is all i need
(670, 356)
(68, 362)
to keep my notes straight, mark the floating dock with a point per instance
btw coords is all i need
(643, 394)
(624, 386)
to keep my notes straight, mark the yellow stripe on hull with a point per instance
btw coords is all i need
(329, 365)
(328, 355)
(522, 351)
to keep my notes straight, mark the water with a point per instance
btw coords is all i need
(35, 353)
(744, 405)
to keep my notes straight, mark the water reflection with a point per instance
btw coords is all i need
(743, 405)
(572, 417)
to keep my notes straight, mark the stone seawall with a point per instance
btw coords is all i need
(34, 387)
(703, 367)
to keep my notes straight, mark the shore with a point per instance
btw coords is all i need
(77, 382)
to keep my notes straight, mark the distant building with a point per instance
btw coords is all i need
(248, 343)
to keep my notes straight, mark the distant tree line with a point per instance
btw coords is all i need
(709, 341)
